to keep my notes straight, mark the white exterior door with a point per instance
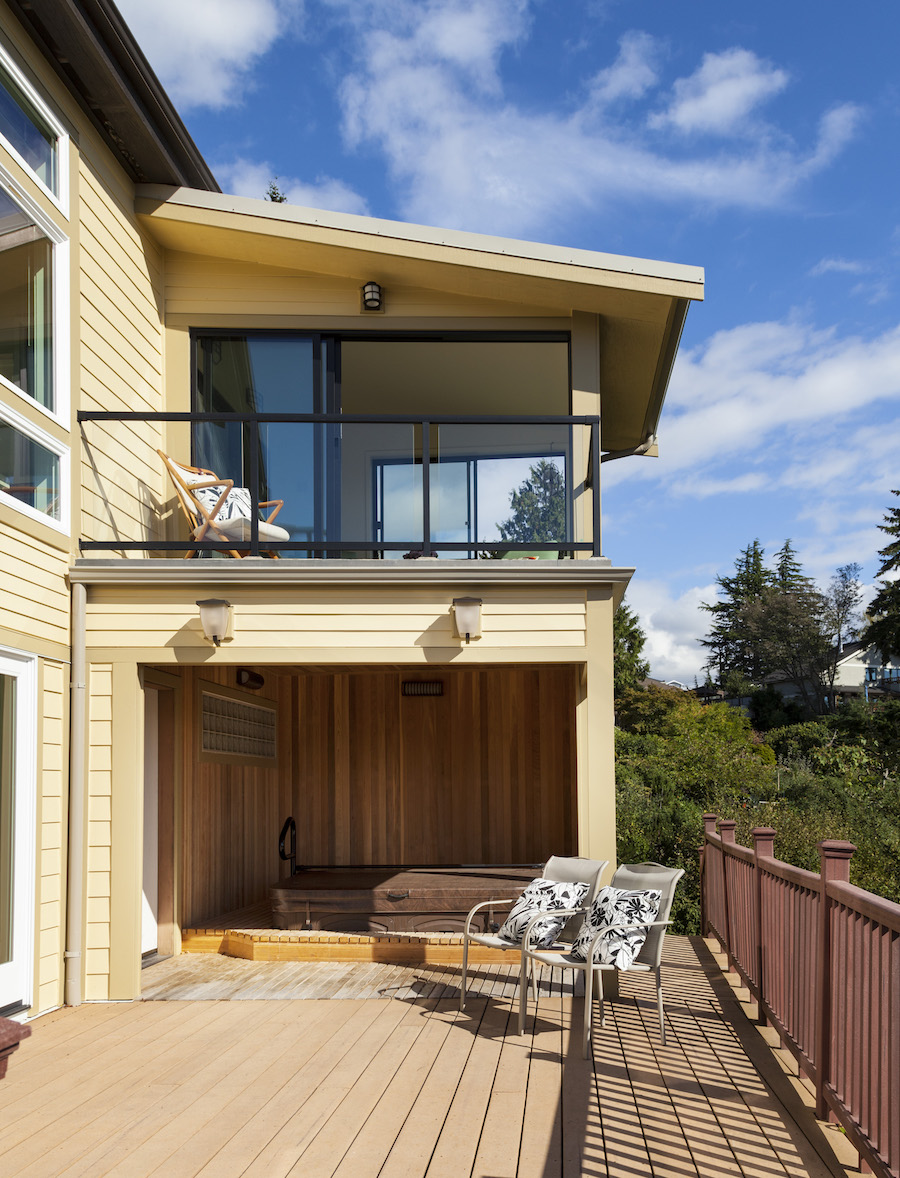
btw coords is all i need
(18, 709)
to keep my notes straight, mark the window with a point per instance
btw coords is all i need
(26, 304)
(33, 470)
(29, 130)
(233, 729)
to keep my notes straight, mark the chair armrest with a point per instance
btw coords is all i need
(484, 904)
(589, 957)
(566, 912)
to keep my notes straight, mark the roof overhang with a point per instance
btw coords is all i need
(94, 53)
(642, 303)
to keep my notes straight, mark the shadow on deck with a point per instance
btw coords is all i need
(406, 1085)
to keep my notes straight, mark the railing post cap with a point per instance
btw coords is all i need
(709, 823)
(727, 828)
(835, 848)
(764, 832)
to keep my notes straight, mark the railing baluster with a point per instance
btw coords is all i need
(426, 488)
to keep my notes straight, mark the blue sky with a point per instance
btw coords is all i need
(758, 141)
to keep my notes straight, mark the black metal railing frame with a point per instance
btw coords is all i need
(423, 547)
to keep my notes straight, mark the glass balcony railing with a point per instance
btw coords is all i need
(357, 486)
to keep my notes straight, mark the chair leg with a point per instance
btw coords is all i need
(462, 982)
(523, 992)
(532, 970)
(588, 1011)
(659, 1004)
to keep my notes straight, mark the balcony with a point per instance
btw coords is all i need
(362, 486)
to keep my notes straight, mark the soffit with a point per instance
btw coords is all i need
(641, 303)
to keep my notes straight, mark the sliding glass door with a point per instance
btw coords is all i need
(17, 828)
(270, 373)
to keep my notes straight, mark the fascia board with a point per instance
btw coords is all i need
(593, 572)
(158, 205)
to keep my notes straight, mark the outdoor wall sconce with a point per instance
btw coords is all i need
(467, 615)
(372, 297)
(252, 680)
(215, 618)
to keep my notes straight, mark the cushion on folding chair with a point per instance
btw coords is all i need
(616, 906)
(541, 895)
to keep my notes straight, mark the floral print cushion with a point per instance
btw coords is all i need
(616, 906)
(236, 506)
(541, 895)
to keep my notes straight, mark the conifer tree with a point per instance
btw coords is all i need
(628, 642)
(538, 506)
(729, 650)
(883, 631)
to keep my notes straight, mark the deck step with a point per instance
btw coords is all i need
(255, 944)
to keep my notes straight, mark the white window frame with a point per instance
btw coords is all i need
(22, 666)
(60, 277)
(36, 434)
(8, 65)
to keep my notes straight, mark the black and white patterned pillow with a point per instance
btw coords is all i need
(236, 506)
(541, 895)
(617, 906)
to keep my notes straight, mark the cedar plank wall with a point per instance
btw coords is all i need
(483, 774)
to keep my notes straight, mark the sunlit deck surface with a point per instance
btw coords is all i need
(375, 1072)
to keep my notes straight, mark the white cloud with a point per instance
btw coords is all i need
(245, 177)
(674, 626)
(426, 89)
(747, 389)
(838, 266)
(204, 50)
(632, 73)
(719, 97)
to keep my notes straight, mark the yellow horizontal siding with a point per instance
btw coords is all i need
(121, 367)
(362, 622)
(51, 784)
(99, 832)
(33, 593)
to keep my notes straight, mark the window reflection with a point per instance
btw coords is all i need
(26, 305)
(29, 472)
(25, 129)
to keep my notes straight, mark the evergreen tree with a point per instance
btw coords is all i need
(274, 193)
(629, 669)
(883, 631)
(729, 651)
(788, 570)
(539, 507)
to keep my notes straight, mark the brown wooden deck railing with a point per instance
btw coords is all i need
(822, 959)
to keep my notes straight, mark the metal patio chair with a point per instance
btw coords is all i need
(629, 877)
(217, 510)
(559, 869)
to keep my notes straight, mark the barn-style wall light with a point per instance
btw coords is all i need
(467, 615)
(372, 297)
(215, 618)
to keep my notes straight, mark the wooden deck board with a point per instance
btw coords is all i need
(368, 1070)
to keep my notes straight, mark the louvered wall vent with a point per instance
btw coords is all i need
(423, 687)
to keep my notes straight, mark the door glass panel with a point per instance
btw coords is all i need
(263, 374)
(7, 813)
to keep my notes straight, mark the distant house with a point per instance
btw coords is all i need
(861, 673)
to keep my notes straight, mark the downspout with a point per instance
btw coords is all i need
(648, 443)
(75, 883)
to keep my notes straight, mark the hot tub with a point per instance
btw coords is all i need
(395, 899)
